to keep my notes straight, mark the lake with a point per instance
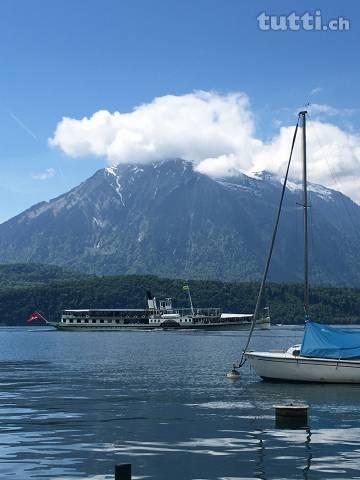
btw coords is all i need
(72, 404)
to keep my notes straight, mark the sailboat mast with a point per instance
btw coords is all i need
(305, 205)
(271, 247)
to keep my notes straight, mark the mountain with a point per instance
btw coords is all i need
(170, 220)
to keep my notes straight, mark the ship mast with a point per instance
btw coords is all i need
(305, 206)
(190, 300)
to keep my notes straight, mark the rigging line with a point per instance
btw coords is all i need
(297, 229)
(313, 249)
(336, 180)
(267, 266)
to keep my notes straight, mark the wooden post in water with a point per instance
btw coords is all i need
(123, 471)
(291, 415)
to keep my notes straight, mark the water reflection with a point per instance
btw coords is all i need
(306, 470)
(260, 460)
(71, 406)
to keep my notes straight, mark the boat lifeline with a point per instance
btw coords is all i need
(326, 354)
(159, 314)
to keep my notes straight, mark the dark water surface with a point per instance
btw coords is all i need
(72, 404)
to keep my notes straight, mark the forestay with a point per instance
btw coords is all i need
(328, 342)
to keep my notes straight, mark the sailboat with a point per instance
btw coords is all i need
(326, 354)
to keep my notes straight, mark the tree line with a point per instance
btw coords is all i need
(51, 291)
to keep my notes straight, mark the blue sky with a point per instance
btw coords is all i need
(73, 58)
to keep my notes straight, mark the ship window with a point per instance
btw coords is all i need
(93, 321)
(86, 321)
(109, 321)
(101, 321)
(117, 320)
(78, 321)
(71, 320)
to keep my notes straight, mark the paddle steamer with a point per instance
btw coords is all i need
(159, 314)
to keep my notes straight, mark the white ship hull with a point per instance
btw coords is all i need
(285, 366)
(262, 324)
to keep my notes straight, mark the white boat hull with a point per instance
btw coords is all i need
(287, 367)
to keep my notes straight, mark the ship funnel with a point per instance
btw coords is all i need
(151, 300)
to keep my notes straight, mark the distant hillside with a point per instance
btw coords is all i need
(128, 291)
(22, 274)
(168, 219)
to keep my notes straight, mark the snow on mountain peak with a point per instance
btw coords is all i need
(117, 185)
(111, 171)
(319, 190)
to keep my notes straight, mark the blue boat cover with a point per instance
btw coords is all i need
(328, 342)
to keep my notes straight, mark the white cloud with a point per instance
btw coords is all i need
(333, 156)
(195, 126)
(217, 133)
(48, 173)
(322, 109)
(316, 90)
